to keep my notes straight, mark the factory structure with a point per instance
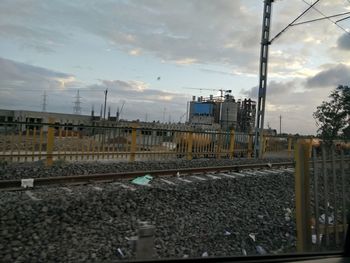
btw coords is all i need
(211, 113)
(224, 112)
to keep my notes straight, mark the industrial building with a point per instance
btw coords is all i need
(224, 112)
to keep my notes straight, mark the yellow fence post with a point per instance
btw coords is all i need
(250, 146)
(219, 145)
(133, 145)
(189, 146)
(50, 142)
(310, 147)
(302, 196)
(232, 143)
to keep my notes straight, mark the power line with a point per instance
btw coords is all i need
(323, 18)
(290, 24)
(335, 23)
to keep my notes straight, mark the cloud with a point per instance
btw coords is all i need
(343, 42)
(294, 102)
(17, 75)
(140, 99)
(222, 32)
(332, 75)
(22, 87)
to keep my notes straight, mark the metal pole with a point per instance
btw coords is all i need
(262, 78)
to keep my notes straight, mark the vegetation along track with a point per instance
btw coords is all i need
(16, 184)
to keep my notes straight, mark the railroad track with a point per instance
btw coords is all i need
(19, 184)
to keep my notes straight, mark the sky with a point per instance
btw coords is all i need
(153, 55)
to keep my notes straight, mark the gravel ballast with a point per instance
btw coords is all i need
(62, 168)
(213, 217)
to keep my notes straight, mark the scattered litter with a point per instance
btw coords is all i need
(32, 196)
(121, 253)
(287, 214)
(252, 236)
(260, 216)
(269, 165)
(143, 180)
(185, 256)
(167, 181)
(27, 183)
(244, 252)
(314, 238)
(322, 219)
(261, 250)
(178, 174)
(227, 233)
(205, 254)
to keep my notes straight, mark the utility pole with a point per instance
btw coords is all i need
(77, 102)
(264, 50)
(104, 111)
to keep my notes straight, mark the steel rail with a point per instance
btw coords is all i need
(16, 183)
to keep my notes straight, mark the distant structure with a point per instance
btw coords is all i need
(222, 112)
(44, 104)
(77, 102)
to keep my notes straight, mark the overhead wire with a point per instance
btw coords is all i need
(290, 24)
(334, 22)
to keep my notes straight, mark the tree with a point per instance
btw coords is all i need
(332, 117)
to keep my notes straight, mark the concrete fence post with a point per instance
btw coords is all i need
(50, 142)
(302, 196)
(145, 241)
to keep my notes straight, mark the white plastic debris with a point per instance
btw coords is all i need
(205, 254)
(185, 256)
(27, 183)
(244, 252)
(120, 252)
(178, 174)
(313, 239)
(322, 219)
(261, 250)
(252, 236)
(287, 214)
(269, 165)
(227, 233)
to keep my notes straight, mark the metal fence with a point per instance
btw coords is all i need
(25, 141)
(322, 197)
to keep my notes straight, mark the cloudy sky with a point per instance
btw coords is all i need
(155, 54)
